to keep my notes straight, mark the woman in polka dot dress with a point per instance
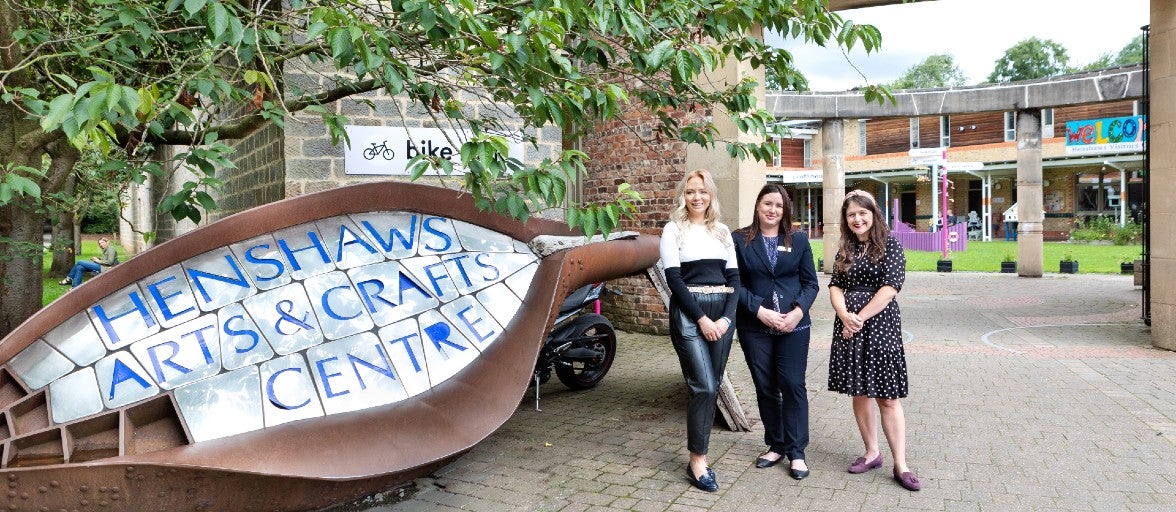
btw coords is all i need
(866, 360)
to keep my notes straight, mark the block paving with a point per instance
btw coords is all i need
(1026, 394)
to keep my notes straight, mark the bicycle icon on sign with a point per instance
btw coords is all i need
(382, 150)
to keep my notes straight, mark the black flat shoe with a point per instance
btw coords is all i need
(798, 474)
(705, 482)
(762, 463)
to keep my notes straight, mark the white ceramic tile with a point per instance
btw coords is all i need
(389, 293)
(347, 244)
(447, 351)
(122, 380)
(284, 315)
(39, 364)
(261, 258)
(402, 341)
(77, 339)
(337, 305)
(169, 296)
(288, 391)
(183, 354)
(354, 373)
(304, 250)
(75, 396)
(122, 318)
(473, 320)
(502, 303)
(242, 343)
(217, 279)
(222, 406)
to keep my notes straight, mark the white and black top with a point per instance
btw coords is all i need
(695, 257)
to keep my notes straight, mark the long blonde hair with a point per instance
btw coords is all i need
(680, 215)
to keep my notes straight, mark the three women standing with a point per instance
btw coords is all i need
(866, 359)
(701, 272)
(779, 285)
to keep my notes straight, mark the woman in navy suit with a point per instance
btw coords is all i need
(778, 284)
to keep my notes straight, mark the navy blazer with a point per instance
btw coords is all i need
(794, 279)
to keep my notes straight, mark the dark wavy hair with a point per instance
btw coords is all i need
(875, 243)
(784, 237)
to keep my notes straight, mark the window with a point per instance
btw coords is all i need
(914, 132)
(779, 153)
(862, 137)
(1010, 126)
(944, 131)
(808, 153)
(1047, 122)
(1097, 192)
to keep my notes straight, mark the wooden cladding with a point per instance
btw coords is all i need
(893, 135)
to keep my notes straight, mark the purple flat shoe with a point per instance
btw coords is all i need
(907, 480)
(861, 465)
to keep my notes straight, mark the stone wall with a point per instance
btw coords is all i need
(315, 163)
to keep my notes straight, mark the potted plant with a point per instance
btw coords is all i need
(1068, 265)
(1008, 265)
(944, 265)
(1126, 265)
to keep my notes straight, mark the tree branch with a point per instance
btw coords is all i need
(250, 123)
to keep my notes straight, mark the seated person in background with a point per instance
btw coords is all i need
(109, 258)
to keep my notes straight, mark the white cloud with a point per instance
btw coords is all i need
(975, 32)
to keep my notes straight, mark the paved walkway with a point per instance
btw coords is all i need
(1026, 394)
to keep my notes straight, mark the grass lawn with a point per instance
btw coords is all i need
(980, 257)
(986, 256)
(90, 249)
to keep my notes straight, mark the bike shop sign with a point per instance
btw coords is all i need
(386, 150)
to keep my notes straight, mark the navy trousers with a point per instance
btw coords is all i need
(778, 363)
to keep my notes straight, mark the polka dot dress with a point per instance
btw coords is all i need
(872, 362)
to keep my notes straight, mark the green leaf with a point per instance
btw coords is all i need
(60, 107)
(192, 7)
(218, 20)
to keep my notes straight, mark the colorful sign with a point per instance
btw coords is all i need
(1107, 135)
(332, 316)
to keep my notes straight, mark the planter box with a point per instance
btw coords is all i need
(1126, 268)
(1068, 267)
(943, 265)
(1008, 267)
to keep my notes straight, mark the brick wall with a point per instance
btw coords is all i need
(628, 151)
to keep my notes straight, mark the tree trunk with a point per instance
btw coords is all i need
(66, 246)
(20, 265)
(22, 220)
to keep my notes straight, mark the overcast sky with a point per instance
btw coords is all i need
(975, 32)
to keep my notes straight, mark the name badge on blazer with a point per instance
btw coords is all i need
(781, 248)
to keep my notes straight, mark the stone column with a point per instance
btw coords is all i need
(1162, 207)
(738, 180)
(1030, 215)
(833, 183)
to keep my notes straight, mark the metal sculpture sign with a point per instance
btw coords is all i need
(357, 325)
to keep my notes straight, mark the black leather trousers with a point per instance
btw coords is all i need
(703, 363)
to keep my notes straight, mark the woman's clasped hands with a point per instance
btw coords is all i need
(712, 330)
(851, 323)
(783, 322)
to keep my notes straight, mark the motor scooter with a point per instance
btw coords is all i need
(581, 345)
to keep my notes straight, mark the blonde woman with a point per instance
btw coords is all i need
(702, 275)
